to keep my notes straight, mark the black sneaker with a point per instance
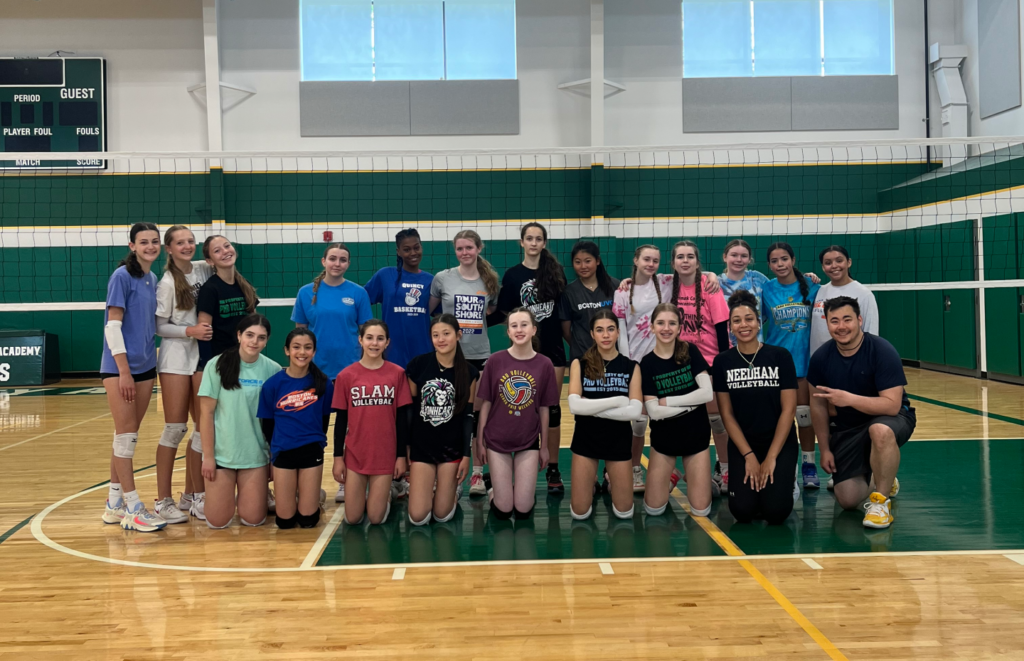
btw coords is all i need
(555, 486)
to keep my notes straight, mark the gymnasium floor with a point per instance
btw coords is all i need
(945, 582)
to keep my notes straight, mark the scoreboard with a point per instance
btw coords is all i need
(52, 104)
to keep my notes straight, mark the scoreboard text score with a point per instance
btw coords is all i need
(53, 104)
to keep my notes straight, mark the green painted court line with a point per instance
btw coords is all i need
(965, 409)
(7, 535)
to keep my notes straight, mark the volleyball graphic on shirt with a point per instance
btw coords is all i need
(517, 389)
(529, 295)
(437, 401)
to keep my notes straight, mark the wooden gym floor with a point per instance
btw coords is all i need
(945, 582)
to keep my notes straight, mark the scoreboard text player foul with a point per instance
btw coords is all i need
(52, 104)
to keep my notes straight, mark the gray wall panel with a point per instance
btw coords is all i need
(465, 107)
(736, 104)
(348, 108)
(998, 56)
(835, 103)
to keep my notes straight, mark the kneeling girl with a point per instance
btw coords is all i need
(604, 395)
(295, 411)
(443, 386)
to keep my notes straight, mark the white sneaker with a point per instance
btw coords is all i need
(340, 496)
(831, 486)
(198, 507)
(477, 486)
(638, 479)
(185, 502)
(323, 498)
(113, 514)
(142, 520)
(169, 512)
(271, 503)
(796, 490)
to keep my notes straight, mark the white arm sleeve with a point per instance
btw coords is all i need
(624, 413)
(581, 406)
(658, 412)
(164, 328)
(115, 340)
(702, 395)
(623, 339)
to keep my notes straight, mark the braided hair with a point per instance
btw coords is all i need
(632, 279)
(323, 274)
(402, 235)
(131, 260)
(698, 285)
(805, 289)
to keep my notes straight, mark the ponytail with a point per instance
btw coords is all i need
(131, 260)
(550, 280)
(681, 350)
(604, 281)
(323, 274)
(698, 284)
(319, 378)
(805, 289)
(487, 272)
(402, 235)
(229, 363)
(248, 291)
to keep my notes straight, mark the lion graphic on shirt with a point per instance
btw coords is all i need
(437, 401)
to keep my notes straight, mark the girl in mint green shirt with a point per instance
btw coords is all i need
(236, 455)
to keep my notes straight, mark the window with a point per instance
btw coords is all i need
(408, 39)
(729, 38)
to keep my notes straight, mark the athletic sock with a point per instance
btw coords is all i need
(114, 494)
(132, 501)
(808, 457)
(478, 470)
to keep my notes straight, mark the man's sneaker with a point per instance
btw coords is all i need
(476, 485)
(169, 512)
(185, 502)
(198, 507)
(142, 520)
(895, 491)
(796, 490)
(831, 484)
(717, 483)
(878, 514)
(809, 473)
(271, 502)
(555, 485)
(399, 489)
(638, 479)
(114, 514)
(340, 496)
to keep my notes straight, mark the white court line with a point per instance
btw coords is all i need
(14, 445)
(812, 564)
(606, 568)
(1018, 558)
(399, 574)
(325, 536)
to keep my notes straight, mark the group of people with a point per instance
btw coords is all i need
(420, 402)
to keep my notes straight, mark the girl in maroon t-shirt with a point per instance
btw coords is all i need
(517, 388)
(372, 402)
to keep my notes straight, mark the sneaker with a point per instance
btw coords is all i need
(638, 479)
(169, 512)
(895, 491)
(717, 485)
(487, 484)
(809, 473)
(878, 514)
(399, 489)
(113, 514)
(796, 490)
(725, 481)
(185, 502)
(323, 498)
(673, 480)
(555, 485)
(198, 507)
(831, 486)
(476, 485)
(340, 496)
(271, 502)
(458, 492)
(142, 520)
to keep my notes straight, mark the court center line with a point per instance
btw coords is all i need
(14, 445)
(734, 551)
(812, 564)
(324, 538)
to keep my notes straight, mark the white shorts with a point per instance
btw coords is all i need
(178, 355)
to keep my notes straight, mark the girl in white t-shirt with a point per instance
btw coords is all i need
(177, 324)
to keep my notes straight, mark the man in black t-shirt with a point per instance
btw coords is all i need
(862, 376)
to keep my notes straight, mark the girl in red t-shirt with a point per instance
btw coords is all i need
(372, 402)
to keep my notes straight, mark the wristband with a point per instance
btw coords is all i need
(751, 452)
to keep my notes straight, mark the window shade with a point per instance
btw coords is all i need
(335, 43)
(480, 39)
(408, 39)
(716, 38)
(866, 50)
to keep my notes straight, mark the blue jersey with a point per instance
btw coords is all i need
(335, 320)
(752, 281)
(787, 320)
(297, 412)
(404, 302)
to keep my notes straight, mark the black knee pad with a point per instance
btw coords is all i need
(308, 520)
(522, 515)
(555, 416)
(286, 524)
(500, 514)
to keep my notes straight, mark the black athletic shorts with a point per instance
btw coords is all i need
(852, 447)
(310, 455)
(478, 363)
(556, 355)
(613, 443)
(145, 376)
(696, 439)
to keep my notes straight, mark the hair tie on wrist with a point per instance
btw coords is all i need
(751, 452)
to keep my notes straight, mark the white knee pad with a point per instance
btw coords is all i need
(628, 514)
(803, 415)
(639, 426)
(655, 511)
(424, 522)
(448, 517)
(717, 425)
(173, 434)
(253, 525)
(696, 512)
(581, 517)
(124, 445)
(387, 511)
(197, 442)
(210, 525)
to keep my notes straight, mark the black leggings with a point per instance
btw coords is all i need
(774, 502)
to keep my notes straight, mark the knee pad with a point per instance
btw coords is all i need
(581, 517)
(522, 515)
(253, 525)
(210, 525)
(717, 426)
(197, 443)
(500, 514)
(387, 511)
(803, 415)
(639, 426)
(124, 445)
(308, 520)
(448, 517)
(555, 416)
(424, 522)
(628, 514)
(655, 511)
(696, 512)
(173, 433)
(287, 524)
